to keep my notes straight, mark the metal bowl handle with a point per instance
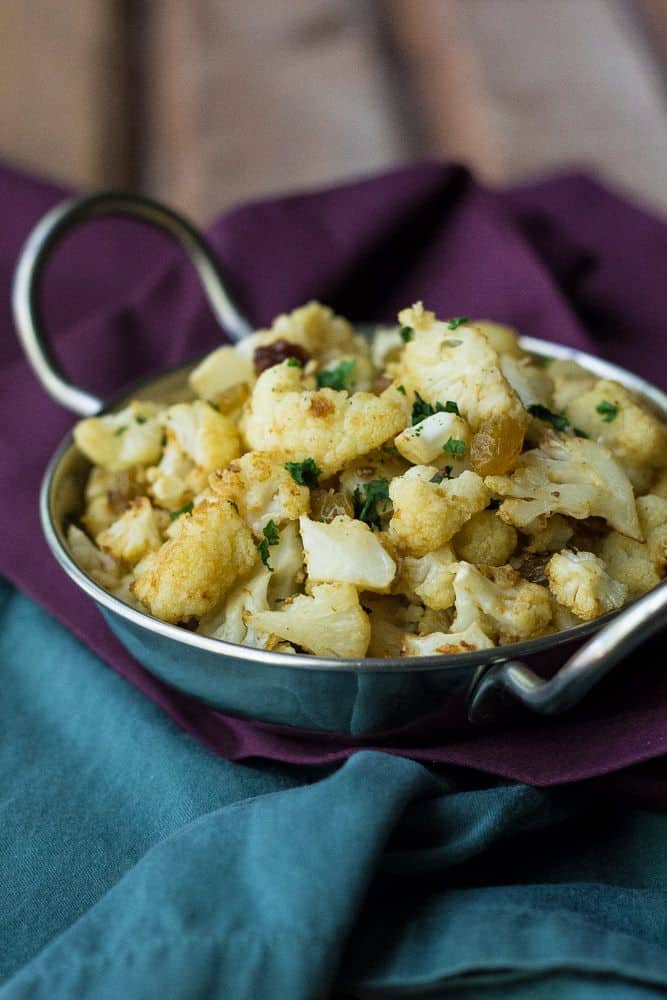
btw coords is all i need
(47, 235)
(498, 689)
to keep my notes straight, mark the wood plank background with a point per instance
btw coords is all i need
(207, 102)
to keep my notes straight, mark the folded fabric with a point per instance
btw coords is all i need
(563, 260)
(134, 863)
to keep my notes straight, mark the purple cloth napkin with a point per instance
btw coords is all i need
(563, 259)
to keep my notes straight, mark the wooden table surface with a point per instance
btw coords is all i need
(207, 102)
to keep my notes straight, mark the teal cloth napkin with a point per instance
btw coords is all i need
(135, 864)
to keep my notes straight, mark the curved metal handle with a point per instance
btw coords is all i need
(503, 684)
(47, 235)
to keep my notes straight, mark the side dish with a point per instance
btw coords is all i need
(431, 490)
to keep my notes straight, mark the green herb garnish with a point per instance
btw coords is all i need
(421, 409)
(407, 333)
(120, 430)
(340, 377)
(458, 321)
(401, 389)
(366, 499)
(271, 537)
(304, 473)
(451, 407)
(556, 420)
(579, 433)
(141, 420)
(608, 411)
(455, 447)
(185, 509)
(294, 363)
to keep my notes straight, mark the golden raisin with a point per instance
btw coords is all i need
(496, 446)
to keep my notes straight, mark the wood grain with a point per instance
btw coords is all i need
(63, 99)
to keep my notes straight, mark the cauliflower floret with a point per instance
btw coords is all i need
(264, 590)
(387, 345)
(136, 533)
(485, 539)
(102, 567)
(532, 384)
(468, 640)
(132, 436)
(632, 434)
(571, 476)
(313, 327)
(579, 581)
(507, 607)
(346, 551)
(569, 380)
(428, 514)
(331, 427)
(640, 566)
(460, 365)
(199, 440)
(287, 562)
(208, 438)
(443, 436)
(219, 371)
(107, 495)
(503, 339)
(429, 580)
(168, 481)
(329, 622)
(262, 489)
(190, 574)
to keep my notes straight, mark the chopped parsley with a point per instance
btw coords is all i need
(271, 537)
(455, 447)
(340, 377)
(401, 389)
(120, 430)
(304, 473)
(141, 420)
(294, 363)
(185, 509)
(421, 409)
(556, 420)
(390, 449)
(407, 333)
(579, 433)
(458, 321)
(608, 411)
(366, 499)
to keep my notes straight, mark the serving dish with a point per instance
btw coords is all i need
(345, 696)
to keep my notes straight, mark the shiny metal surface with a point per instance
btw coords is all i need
(44, 240)
(346, 696)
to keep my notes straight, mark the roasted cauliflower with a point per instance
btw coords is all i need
(437, 490)
(579, 581)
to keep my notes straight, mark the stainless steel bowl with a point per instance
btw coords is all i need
(343, 696)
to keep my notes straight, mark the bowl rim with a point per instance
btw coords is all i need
(303, 661)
